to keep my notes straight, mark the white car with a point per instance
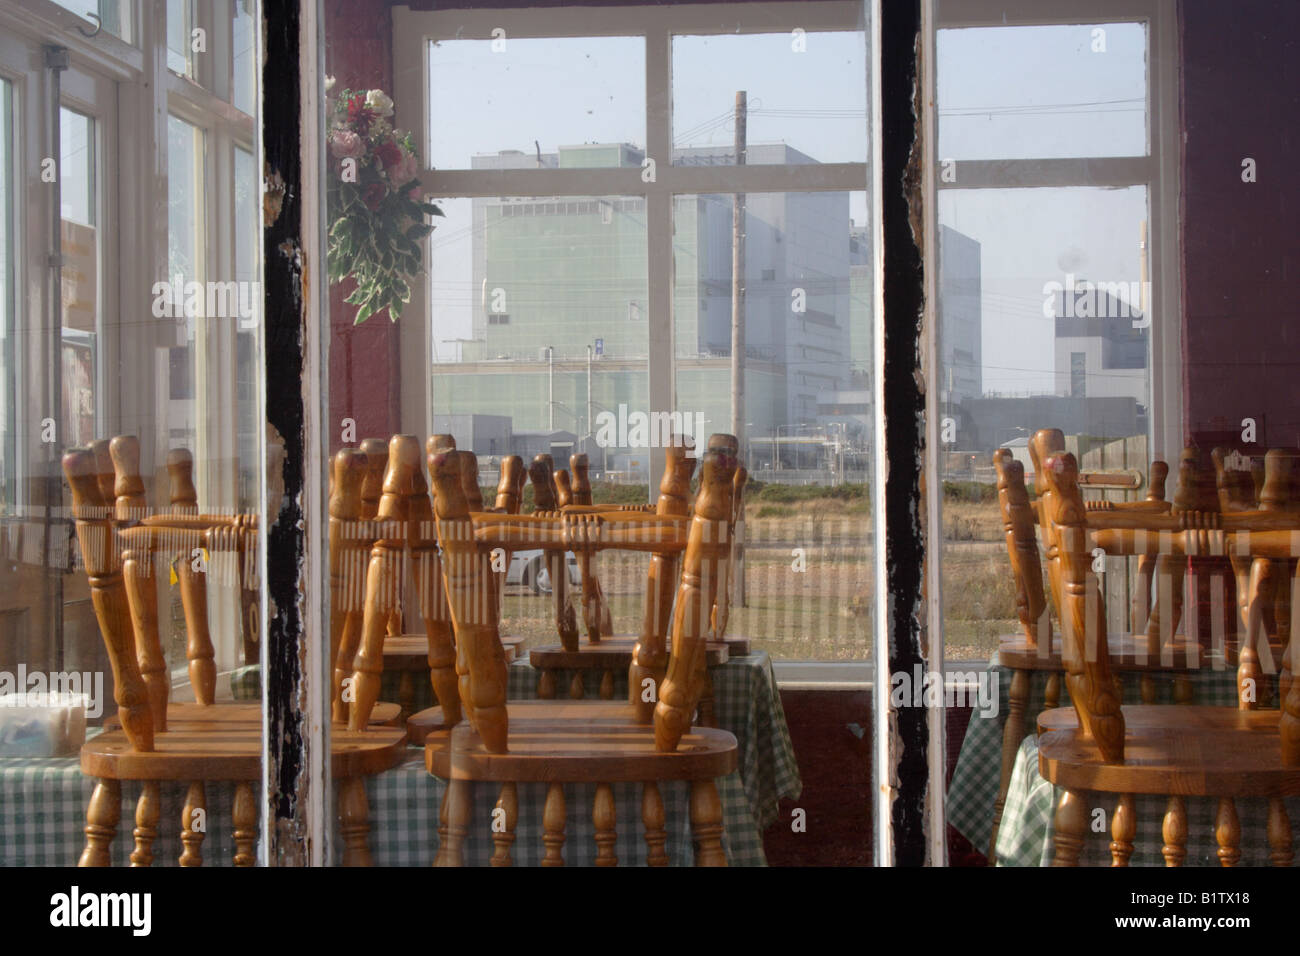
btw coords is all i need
(528, 568)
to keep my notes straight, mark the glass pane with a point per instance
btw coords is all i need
(8, 296)
(80, 285)
(1088, 96)
(179, 16)
(185, 263)
(111, 13)
(806, 98)
(245, 59)
(1044, 320)
(584, 96)
(807, 404)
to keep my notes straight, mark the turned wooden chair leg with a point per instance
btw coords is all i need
(1012, 733)
(102, 816)
(1227, 832)
(1123, 830)
(1071, 828)
(553, 818)
(607, 686)
(1174, 831)
(1279, 833)
(546, 686)
(456, 811)
(146, 824)
(406, 695)
(652, 817)
(244, 818)
(706, 824)
(604, 817)
(577, 689)
(1052, 694)
(1147, 688)
(194, 824)
(354, 822)
(504, 817)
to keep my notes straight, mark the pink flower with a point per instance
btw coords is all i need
(414, 193)
(346, 144)
(405, 170)
(374, 195)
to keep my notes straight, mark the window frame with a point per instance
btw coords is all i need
(412, 33)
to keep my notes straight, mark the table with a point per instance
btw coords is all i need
(43, 800)
(1025, 835)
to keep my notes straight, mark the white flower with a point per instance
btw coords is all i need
(379, 101)
(329, 83)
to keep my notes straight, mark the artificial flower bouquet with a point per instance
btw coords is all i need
(376, 211)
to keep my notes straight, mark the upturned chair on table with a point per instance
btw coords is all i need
(157, 741)
(608, 655)
(579, 741)
(1033, 649)
(1177, 751)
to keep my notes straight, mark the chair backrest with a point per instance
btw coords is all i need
(1022, 550)
(466, 541)
(350, 539)
(541, 474)
(92, 515)
(510, 485)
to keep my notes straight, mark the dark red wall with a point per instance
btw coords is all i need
(1240, 98)
(365, 376)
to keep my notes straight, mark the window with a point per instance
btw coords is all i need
(637, 218)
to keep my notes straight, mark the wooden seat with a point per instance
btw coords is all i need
(1181, 751)
(579, 741)
(197, 743)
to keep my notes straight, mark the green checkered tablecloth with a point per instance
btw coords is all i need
(1025, 834)
(43, 800)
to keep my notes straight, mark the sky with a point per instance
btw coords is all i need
(1003, 93)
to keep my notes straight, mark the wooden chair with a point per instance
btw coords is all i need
(589, 741)
(1032, 650)
(195, 744)
(605, 654)
(1178, 751)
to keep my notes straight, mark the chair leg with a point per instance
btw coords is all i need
(1012, 733)
(102, 816)
(194, 824)
(652, 816)
(244, 817)
(1123, 830)
(1174, 831)
(604, 818)
(1279, 833)
(146, 824)
(1227, 832)
(706, 824)
(546, 684)
(1071, 828)
(553, 819)
(504, 817)
(354, 822)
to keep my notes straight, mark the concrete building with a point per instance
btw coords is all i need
(552, 277)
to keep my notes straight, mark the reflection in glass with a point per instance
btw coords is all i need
(185, 249)
(8, 291)
(179, 16)
(245, 63)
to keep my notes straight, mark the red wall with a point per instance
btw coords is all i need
(1241, 284)
(365, 375)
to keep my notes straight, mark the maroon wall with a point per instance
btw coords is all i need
(365, 374)
(1240, 98)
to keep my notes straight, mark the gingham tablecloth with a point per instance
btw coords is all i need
(43, 800)
(1027, 828)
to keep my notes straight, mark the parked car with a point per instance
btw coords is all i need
(529, 569)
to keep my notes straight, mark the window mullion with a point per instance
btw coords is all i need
(661, 375)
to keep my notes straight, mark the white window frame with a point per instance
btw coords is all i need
(1159, 171)
(412, 32)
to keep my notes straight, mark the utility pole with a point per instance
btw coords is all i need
(589, 419)
(738, 284)
(550, 387)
